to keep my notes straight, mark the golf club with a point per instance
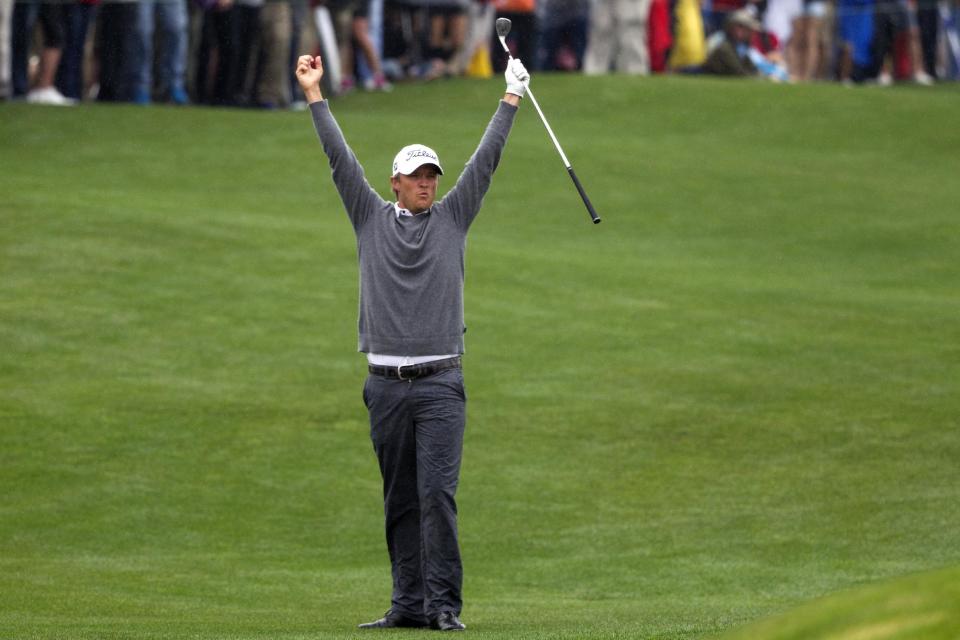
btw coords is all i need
(503, 28)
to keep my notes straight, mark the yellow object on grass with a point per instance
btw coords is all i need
(689, 47)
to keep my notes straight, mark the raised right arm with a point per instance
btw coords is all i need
(358, 197)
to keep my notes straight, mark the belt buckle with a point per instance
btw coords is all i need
(400, 371)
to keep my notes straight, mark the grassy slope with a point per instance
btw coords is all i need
(737, 393)
(918, 607)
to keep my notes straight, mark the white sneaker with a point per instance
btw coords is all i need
(50, 95)
(885, 79)
(378, 82)
(923, 78)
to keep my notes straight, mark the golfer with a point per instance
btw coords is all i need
(411, 255)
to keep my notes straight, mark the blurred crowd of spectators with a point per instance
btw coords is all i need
(241, 52)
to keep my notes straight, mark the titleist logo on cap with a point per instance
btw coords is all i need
(420, 153)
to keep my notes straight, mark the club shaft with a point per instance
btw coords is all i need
(556, 143)
(546, 124)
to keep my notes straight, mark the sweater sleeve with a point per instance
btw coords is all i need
(464, 199)
(359, 198)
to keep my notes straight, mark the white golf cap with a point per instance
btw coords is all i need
(413, 156)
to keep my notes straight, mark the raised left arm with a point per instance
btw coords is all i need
(464, 199)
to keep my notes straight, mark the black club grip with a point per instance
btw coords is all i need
(583, 194)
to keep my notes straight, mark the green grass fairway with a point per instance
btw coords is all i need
(737, 394)
(921, 607)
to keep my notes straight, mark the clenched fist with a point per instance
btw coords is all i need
(309, 71)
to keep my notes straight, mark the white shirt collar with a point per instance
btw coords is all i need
(400, 211)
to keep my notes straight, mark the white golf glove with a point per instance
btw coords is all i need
(517, 78)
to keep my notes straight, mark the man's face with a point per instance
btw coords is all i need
(416, 191)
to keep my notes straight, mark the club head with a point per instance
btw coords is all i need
(503, 27)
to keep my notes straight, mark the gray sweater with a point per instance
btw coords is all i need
(411, 268)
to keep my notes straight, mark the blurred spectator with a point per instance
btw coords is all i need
(855, 20)
(783, 19)
(246, 19)
(728, 51)
(77, 15)
(113, 48)
(928, 24)
(6, 16)
(25, 18)
(950, 17)
(561, 34)
(715, 13)
(351, 19)
(300, 40)
(218, 53)
(659, 35)
(890, 25)
(523, 33)
(446, 37)
(398, 50)
(265, 52)
(474, 57)
(164, 22)
(240, 49)
(915, 63)
(618, 37)
(809, 49)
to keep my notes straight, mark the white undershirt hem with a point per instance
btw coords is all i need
(402, 361)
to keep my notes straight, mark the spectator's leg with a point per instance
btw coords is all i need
(205, 51)
(929, 25)
(141, 46)
(361, 36)
(227, 31)
(577, 32)
(272, 89)
(374, 16)
(69, 79)
(247, 53)
(813, 24)
(23, 20)
(633, 55)
(105, 53)
(437, 49)
(600, 51)
(6, 17)
(298, 13)
(523, 36)
(172, 57)
(51, 21)
(458, 24)
(548, 43)
(883, 38)
(845, 63)
(343, 23)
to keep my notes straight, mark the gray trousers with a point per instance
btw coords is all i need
(618, 37)
(6, 14)
(417, 431)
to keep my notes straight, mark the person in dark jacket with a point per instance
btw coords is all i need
(731, 56)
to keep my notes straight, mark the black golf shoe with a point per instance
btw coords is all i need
(447, 621)
(394, 620)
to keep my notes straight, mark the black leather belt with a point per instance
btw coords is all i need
(413, 371)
